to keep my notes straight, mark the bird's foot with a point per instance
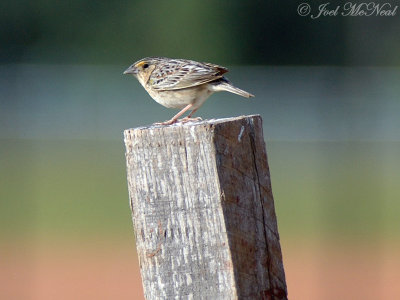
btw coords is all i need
(189, 119)
(168, 122)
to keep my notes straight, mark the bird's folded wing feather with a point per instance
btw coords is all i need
(182, 75)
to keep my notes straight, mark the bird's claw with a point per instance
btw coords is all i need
(184, 120)
(168, 122)
(188, 119)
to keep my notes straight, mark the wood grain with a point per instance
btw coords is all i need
(203, 211)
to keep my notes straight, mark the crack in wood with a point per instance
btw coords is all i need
(253, 152)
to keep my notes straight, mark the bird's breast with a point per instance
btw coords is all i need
(196, 95)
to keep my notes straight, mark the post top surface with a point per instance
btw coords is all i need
(196, 123)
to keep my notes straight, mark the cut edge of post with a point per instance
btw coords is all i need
(194, 123)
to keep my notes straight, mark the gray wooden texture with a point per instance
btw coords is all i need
(203, 211)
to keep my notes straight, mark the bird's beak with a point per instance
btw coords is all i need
(131, 70)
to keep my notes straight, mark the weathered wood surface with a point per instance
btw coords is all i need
(203, 211)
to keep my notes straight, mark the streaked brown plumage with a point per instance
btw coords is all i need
(180, 83)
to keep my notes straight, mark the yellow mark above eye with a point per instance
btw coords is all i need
(140, 64)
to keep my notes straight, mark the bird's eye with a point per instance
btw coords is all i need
(145, 66)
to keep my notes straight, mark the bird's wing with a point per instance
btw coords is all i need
(180, 74)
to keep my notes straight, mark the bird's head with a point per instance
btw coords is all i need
(142, 69)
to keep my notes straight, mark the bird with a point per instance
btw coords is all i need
(181, 83)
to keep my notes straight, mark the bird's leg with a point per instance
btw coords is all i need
(175, 118)
(191, 113)
(189, 117)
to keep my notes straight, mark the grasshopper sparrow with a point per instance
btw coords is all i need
(180, 83)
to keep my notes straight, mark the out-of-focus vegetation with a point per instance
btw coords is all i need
(228, 32)
(77, 189)
(333, 147)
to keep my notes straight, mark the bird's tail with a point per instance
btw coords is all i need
(224, 84)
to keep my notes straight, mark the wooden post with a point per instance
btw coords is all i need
(203, 211)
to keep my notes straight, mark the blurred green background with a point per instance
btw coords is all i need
(327, 89)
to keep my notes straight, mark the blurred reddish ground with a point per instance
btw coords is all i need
(342, 271)
(76, 271)
(110, 271)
